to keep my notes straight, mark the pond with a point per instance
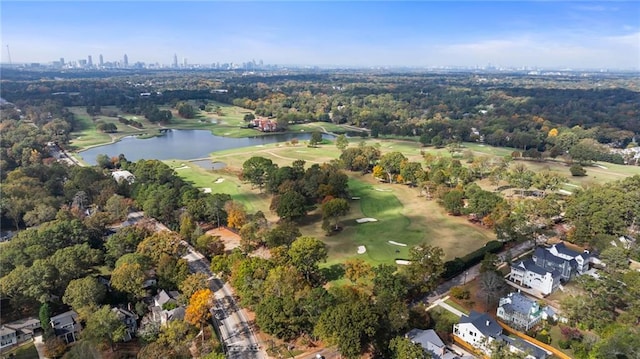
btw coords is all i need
(183, 145)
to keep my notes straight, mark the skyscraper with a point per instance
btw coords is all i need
(175, 60)
(89, 61)
(184, 62)
(101, 60)
(126, 61)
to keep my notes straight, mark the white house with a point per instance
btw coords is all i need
(8, 337)
(120, 176)
(66, 326)
(519, 311)
(480, 330)
(429, 340)
(528, 274)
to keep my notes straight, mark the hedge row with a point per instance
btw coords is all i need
(458, 265)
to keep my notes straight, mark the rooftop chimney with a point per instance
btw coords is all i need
(487, 322)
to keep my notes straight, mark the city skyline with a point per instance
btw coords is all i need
(416, 34)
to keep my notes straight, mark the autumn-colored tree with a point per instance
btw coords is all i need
(159, 244)
(553, 132)
(357, 269)
(129, 278)
(198, 310)
(237, 214)
(378, 171)
(193, 283)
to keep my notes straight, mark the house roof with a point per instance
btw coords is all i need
(64, 319)
(526, 347)
(562, 248)
(164, 297)
(519, 303)
(6, 331)
(547, 256)
(531, 266)
(483, 322)
(123, 313)
(428, 339)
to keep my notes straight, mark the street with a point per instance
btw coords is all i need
(228, 318)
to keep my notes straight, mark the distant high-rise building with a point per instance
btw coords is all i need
(175, 60)
(62, 61)
(89, 61)
(184, 62)
(101, 60)
(125, 60)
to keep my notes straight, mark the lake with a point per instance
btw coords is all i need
(183, 145)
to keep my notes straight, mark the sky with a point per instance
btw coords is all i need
(538, 34)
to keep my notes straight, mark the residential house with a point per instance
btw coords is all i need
(567, 262)
(432, 344)
(123, 175)
(66, 326)
(165, 307)
(130, 320)
(8, 337)
(18, 331)
(479, 330)
(528, 274)
(519, 311)
(265, 125)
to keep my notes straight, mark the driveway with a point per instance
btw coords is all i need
(39, 344)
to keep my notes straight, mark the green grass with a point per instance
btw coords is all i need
(457, 306)
(24, 352)
(317, 126)
(202, 178)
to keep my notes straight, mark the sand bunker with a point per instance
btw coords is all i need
(182, 168)
(397, 244)
(355, 198)
(362, 249)
(384, 190)
(206, 190)
(219, 180)
(365, 220)
(403, 262)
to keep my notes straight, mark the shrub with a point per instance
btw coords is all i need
(564, 344)
(459, 265)
(577, 170)
(460, 293)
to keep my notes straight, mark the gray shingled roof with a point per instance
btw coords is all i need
(525, 346)
(519, 304)
(483, 322)
(531, 266)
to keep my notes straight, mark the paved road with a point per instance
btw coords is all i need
(230, 320)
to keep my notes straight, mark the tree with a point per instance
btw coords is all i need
(45, 320)
(316, 138)
(54, 347)
(256, 170)
(391, 164)
(290, 205)
(624, 342)
(403, 348)
(306, 253)
(425, 267)
(171, 271)
(236, 214)
(159, 244)
(124, 241)
(199, 309)
(350, 325)
(82, 350)
(453, 202)
(615, 258)
(104, 325)
(521, 177)
(577, 170)
(193, 283)
(341, 142)
(186, 110)
(356, 269)
(283, 234)
(118, 207)
(209, 245)
(334, 209)
(492, 285)
(129, 278)
(84, 292)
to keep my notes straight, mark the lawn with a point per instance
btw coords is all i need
(24, 352)
(457, 306)
(88, 136)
